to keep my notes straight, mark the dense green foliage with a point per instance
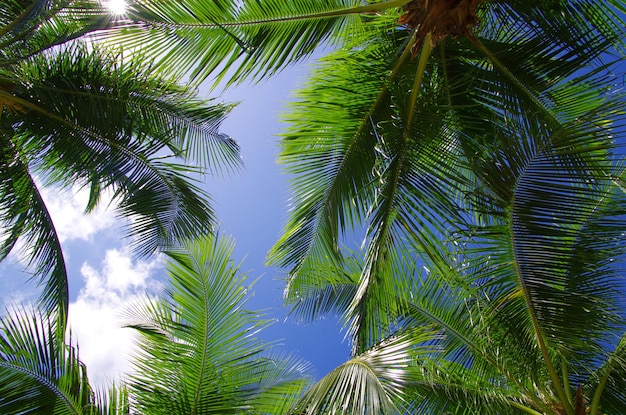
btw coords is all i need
(478, 149)
(487, 175)
(76, 114)
(198, 352)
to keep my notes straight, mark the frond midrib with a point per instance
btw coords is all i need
(369, 8)
(322, 212)
(51, 386)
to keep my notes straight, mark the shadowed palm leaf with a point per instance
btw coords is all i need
(79, 115)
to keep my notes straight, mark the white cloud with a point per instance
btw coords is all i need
(96, 316)
(67, 207)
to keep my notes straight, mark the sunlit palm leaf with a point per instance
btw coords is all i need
(198, 350)
(38, 372)
(370, 383)
(247, 40)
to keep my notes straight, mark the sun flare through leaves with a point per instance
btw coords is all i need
(116, 7)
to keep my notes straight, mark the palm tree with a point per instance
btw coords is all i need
(485, 125)
(401, 155)
(488, 178)
(198, 351)
(522, 314)
(75, 113)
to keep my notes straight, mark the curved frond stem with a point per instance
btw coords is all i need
(64, 296)
(36, 225)
(65, 40)
(406, 53)
(563, 390)
(4, 95)
(505, 71)
(379, 242)
(97, 24)
(204, 354)
(569, 409)
(562, 387)
(394, 71)
(565, 375)
(368, 8)
(28, 104)
(199, 351)
(524, 408)
(597, 395)
(139, 159)
(45, 383)
(617, 182)
(55, 117)
(419, 76)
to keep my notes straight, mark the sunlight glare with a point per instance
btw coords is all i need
(116, 6)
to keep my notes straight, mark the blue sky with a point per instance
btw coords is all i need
(251, 204)
(253, 207)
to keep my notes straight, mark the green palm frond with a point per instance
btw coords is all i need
(198, 350)
(545, 296)
(478, 349)
(351, 171)
(608, 383)
(24, 215)
(402, 164)
(90, 118)
(561, 216)
(39, 373)
(30, 28)
(371, 383)
(324, 291)
(443, 387)
(249, 40)
(114, 401)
